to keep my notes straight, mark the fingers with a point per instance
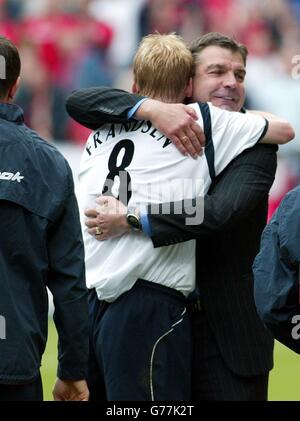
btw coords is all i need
(187, 135)
(188, 143)
(98, 234)
(196, 138)
(178, 143)
(91, 223)
(97, 230)
(191, 112)
(198, 133)
(91, 213)
(102, 200)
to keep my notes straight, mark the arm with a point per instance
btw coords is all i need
(66, 281)
(278, 128)
(240, 131)
(279, 131)
(235, 193)
(276, 273)
(93, 107)
(173, 120)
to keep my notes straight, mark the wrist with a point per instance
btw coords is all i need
(145, 110)
(133, 218)
(126, 228)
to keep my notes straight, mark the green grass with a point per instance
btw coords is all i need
(284, 378)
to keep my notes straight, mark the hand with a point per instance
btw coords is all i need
(70, 390)
(108, 218)
(177, 122)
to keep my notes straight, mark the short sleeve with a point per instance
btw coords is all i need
(232, 133)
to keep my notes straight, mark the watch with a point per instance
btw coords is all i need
(133, 219)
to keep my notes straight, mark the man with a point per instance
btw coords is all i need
(276, 273)
(73, 104)
(40, 246)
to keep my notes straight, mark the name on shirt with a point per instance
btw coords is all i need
(104, 134)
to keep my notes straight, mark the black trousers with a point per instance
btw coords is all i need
(140, 346)
(22, 392)
(212, 379)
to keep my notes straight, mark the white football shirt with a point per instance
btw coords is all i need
(136, 157)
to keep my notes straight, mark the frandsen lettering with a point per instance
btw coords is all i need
(101, 135)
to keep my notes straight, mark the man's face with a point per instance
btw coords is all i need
(219, 78)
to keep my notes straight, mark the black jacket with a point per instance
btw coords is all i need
(235, 214)
(40, 246)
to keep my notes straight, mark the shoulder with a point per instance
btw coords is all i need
(287, 221)
(283, 231)
(254, 164)
(47, 163)
(47, 152)
(261, 156)
(258, 154)
(289, 208)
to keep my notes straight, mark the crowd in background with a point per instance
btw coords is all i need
(69, 44)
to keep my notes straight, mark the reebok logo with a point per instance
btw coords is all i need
(9, 176)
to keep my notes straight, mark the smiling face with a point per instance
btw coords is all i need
(219, 78)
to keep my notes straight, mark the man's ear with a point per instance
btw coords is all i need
(135, 88)
(13, 90)
(189, 88)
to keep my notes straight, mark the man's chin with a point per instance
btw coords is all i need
(225, 105)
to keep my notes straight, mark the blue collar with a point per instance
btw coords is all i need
(11, 112)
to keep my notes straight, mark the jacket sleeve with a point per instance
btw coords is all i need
(93, 107)
(234, 194)
(66, 281)
(276, 273)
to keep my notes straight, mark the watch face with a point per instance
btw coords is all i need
(134, 222)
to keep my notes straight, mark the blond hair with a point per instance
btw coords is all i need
(163, 66)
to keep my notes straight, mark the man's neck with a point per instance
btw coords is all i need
(174, 100)
(6, 100)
